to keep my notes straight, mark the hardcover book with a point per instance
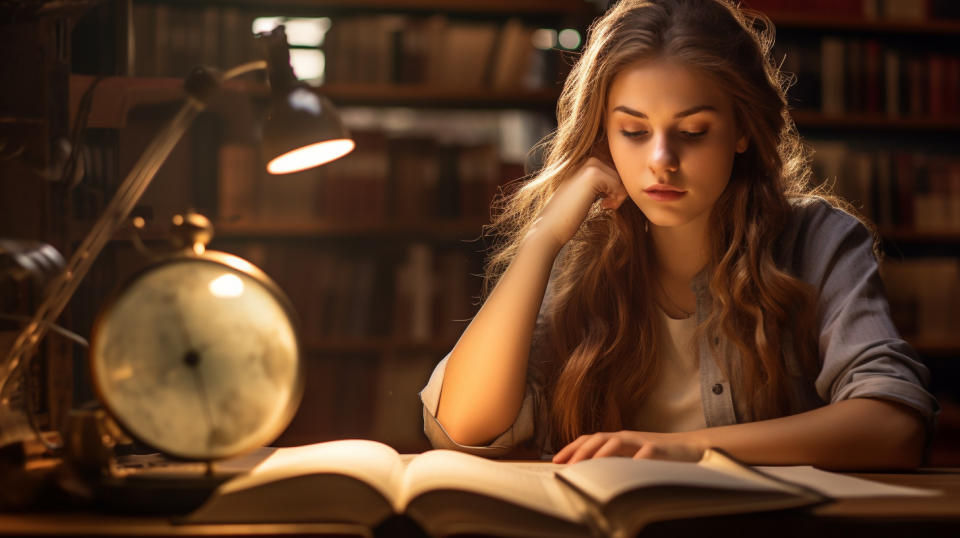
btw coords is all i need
(448, 492)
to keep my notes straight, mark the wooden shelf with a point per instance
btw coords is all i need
(438, 96)
(377, 345)
(820, 22)
(921, 236)
(817, 120)
(459, 230)
(532, 7)
(454, 229)
(152, 233)
(941, 347)
(115, 97)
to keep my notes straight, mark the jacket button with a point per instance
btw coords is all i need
(718, 389)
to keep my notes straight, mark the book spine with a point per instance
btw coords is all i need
(905, 189)
(935, 85)
(853, 73)
(916, 91)
(832, 77)
(899, 190)
(905, 10)
(873, 77)
(892, 82)
(953, 196)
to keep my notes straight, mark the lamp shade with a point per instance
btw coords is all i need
(302, 130)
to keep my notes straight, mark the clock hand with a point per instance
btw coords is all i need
(192, 360)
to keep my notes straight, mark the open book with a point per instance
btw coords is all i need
(449, 492)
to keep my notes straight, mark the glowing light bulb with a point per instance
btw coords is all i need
(310, 156)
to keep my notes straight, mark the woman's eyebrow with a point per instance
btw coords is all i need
(687, 112)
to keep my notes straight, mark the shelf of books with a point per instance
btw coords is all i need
(935, 236)
(380, 251)
(937, 346)
(857, 22)
(438, 96)
(899, 16)
(807, 119)
(876, 94)
(436, 229)
(115, 97)
(378, 346)
(537, 7)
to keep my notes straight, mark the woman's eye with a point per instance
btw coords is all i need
(632, 134)
(693, 134)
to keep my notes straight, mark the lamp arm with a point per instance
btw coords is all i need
(243, 69)
(63, 286)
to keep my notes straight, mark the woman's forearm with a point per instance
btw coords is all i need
(860, 433)
(485, 377)
(484, 381)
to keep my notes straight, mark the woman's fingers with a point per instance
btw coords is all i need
(588, 448)
(614, 201)
(615, 446)
(585, 444)
(639, 445)
(598, 445)
(609, 185)
(567, 451)
(649, 451)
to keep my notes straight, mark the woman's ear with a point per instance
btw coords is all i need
(742, 144)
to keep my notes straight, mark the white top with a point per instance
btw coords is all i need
(674, 403)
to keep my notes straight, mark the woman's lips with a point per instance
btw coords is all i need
(665, 194)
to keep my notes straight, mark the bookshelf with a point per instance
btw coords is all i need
(382, 267)
(550, 8)
(921, 236)
(349, 372)
(379, 346)
(440, 230)
(878, 97)
(807, 119)
(117, 96)
(787, 20)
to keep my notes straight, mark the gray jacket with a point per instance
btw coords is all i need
(862, 355)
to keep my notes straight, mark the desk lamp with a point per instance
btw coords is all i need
(302, 130)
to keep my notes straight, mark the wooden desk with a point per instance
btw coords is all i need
(873, 518)
(848, 518)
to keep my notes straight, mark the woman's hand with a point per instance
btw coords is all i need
(633, 444)
(563, 214)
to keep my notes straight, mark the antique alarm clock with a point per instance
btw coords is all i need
(198, 355)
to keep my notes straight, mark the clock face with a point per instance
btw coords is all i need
(198, 358)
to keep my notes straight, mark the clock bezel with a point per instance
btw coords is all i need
(235, 263)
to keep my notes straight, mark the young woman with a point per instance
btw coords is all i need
(667, 282)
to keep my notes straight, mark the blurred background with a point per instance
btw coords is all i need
(382, 250)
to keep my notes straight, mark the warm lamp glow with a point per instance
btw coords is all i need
(310, 156)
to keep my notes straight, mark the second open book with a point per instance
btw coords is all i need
(449, 492)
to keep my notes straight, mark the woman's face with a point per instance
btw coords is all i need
(672, 137)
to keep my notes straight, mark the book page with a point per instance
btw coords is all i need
(515, 483)
(605, 478)
(839, 486)
(720, 461)
(375, 463)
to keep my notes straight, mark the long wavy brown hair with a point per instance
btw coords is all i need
(601, 333)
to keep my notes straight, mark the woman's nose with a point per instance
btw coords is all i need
(664, 159)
